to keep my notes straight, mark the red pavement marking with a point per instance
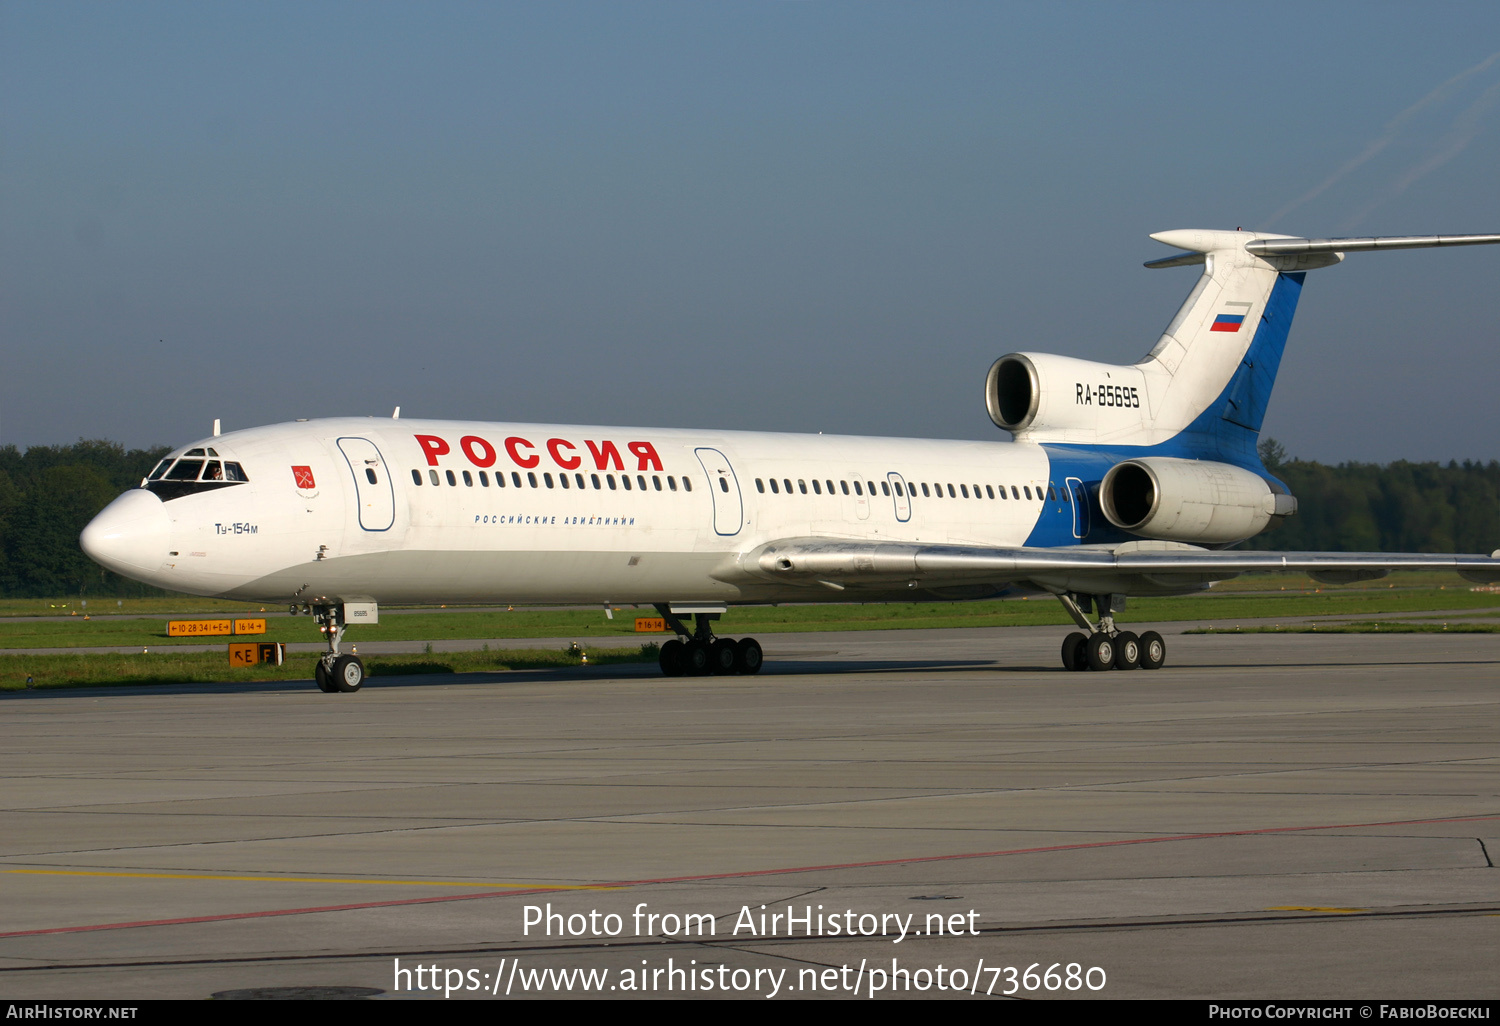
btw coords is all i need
(228, 916)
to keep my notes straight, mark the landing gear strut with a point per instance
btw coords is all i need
(333, 671)
(1105, 646)
(702, 653)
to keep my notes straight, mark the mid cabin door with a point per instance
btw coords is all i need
(900, 495)
(729, 504)
(372, 483)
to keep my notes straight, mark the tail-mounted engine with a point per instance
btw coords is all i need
(1195, 501)
(1041, 397)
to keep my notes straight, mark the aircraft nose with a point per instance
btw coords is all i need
(130, 535)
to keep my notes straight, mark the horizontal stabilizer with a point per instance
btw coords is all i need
(1279, 247)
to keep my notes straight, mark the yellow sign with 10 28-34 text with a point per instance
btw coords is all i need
(210, 628)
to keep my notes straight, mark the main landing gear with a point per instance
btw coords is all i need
(702, 653)
(1105, 646)
(333, 671)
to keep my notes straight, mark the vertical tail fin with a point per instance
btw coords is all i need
(1210, 375)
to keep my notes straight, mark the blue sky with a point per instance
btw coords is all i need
(779, 216)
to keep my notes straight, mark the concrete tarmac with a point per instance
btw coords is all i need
(1269, 816)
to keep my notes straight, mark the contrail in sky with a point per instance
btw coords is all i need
(1389, 133)
(1465, 128)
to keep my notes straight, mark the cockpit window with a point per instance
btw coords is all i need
(186, 470)
(187, 476)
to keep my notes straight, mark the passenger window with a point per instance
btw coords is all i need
(988, 490)
(687, 483)
(1002, 493)
(625, 480)
(656, 482)
(547, 478)
(609, 479)
(760, 486)
(500, 479)
(817, 488)
(579, 478)
(1052, 493)
(1066, 496)
(531, 478)
(640, 479)
(433, 474)
(484, 479)
(951, 493)
(857, 490)
(775, 488)
(845, 486)
(787, 483)
(976, 492)
(830, 487)
(416, 477)
(370, 476)
(723, 485)
(562, 479)
(898, 490)
(801, 486)
(452, 481)
(965, 489)
(671, 482)
(468, 480)
(885, 489)
(515, 478)
(1027, 490)
(185, 470)
(1015, 493)
(595, 479)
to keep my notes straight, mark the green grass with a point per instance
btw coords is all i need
(89, 670)
(463, 624)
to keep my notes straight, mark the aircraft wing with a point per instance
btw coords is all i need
(1139, 568)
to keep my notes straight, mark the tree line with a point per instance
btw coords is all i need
(1392, 507)
(48, 493)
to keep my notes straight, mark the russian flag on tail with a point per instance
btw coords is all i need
(1231, 321)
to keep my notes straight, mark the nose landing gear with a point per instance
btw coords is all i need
(1105, 646)
(334, 671)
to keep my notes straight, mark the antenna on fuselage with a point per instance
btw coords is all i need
(396, 415)
(216, 427)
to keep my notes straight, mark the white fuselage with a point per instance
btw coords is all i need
(448, 511)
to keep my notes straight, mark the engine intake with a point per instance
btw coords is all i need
(1195, 501)
(1057, 398)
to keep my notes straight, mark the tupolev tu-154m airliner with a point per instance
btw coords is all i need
(1121, 480)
